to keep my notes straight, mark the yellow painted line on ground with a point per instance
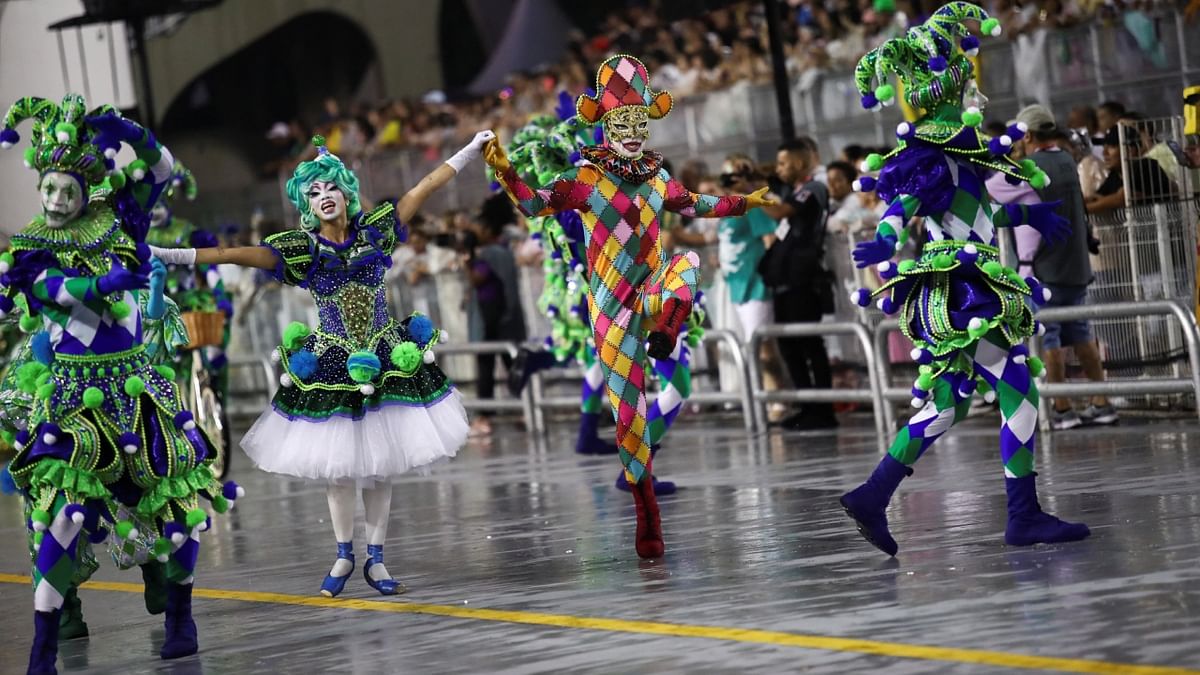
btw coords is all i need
(745, 635)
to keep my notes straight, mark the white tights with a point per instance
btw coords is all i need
(377, 503)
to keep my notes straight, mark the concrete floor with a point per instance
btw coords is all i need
(518, 557)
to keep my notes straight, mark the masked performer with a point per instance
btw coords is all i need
(638, 299)
(540, 150)
(107, 441)
(362, 401)
(964, 311)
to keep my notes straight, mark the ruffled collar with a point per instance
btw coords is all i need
(632, 170)
(92, 230)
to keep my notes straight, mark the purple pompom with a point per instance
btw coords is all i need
(142, 251)
(303, 364)
(865, 183)
(230, 490)
(182, 418)
(1016, 131)
(869, 102)
(970, 44)
(9, 136)
(6, 304)
(938, 64)
(129, 439)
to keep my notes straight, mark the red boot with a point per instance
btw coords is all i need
(661, 341)
(649, 542)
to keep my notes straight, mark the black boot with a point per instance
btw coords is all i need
(71, 625)
(180, 628)
(44, 652)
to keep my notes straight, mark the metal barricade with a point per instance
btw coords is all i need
(524, 403)
(873, 394)
(542, 402)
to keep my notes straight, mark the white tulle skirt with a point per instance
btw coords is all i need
(386, 443)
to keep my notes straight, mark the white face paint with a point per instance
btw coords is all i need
(158, 215)
(972, 97)
(62, 198)
(326, 201)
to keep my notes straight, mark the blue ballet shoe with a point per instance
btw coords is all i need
(387, 586)
(334, 585)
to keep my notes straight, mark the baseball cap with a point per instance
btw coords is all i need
(1037, 118)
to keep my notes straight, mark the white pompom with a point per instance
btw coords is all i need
(367, 389)
(285, 380)
(884, 266)
(1019, 359)
(3, 314)
(1022, 127)
(62, 137)
(178, 538)
(975, 324)
(996, 31)
(990, 397)
(1006, 141)
(857, 297)
(189, 425)
(110, 153)
(579, 268)
(202, 527)
(133, 534)
(27, 164)
(3, 266)
(138, 174)
(130, 449)
(428, 356)
(915, 353)
(443, 336)
(1046, 294)
(917, 402)
(37, 547)
(18, 445)
(972, 53)
(162, 557)
(49, 439)
(974, 110)
(899, 246)
(1041, 328)
(39, 526)
(864, 167)
(241, 492)
(971, 249)
(903, 128)
(77, 517)
(6, 145)
(1047, 183)
(856, 185)
(276, 357)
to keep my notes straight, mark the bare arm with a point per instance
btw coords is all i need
(260, 257)
(411, 202)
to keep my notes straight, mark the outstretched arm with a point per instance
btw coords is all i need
(151, 170)
(411, 202)
(887, 233)
(694, 205)
(568, 191)
(246, 256)
(1041, 217)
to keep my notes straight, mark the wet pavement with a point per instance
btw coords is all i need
(519, 558)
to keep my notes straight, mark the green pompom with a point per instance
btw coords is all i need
(318, 141)
(38, 537)
(943, 261)
(162, 546)
(1035, 366)
(40, 516)
(119, 310)
(195, 517)
(979, 330)
(885, 92)
(874, 161)
(906, 266)
(7, 259)
(220, 504)
(1029, 167)
(123, 529)
(134, 386)
(65, 129)
(972, 118)
(993, 268)
(294, 335)
(167, 372)
(991, 27)
(136, 166)
(925, 381)
(406, 356)
(93, 398)
(30, 155)
(46, 390)
(8, 437)
(116, 180)
(30, 323)
(1039, 180)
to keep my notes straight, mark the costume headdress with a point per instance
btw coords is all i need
(622, 81)
(183, 184)
(60, 139)
(931, 61)
(326, 166)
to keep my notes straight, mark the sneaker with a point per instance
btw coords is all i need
(1100, 414)
(1068, 419)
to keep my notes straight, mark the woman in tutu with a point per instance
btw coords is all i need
(361, 401)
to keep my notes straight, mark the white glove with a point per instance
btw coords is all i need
(471, 151)
(174, 256)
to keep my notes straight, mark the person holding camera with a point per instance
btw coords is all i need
(793, 268)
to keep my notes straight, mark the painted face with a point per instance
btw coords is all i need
(326, 200)
(159, 215)
(62, 198)
(626, 130)
(973, 97)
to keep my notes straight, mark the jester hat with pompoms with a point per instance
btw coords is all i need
(931, 61)
(62, 140)
(622, 81)
(183, 184)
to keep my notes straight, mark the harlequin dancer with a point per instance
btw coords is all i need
(107, 439)
(543, 148)
(362, 401)
(198, 289)
(964, 311)
(633, 289)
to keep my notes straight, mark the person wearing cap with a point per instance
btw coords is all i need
(1063, 268)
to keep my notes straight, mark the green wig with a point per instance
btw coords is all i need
(326, 167)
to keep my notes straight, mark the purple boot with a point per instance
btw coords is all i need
(44, 652)
(867, 504)
(180, 628)
(588, 442)
(1028, 524)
